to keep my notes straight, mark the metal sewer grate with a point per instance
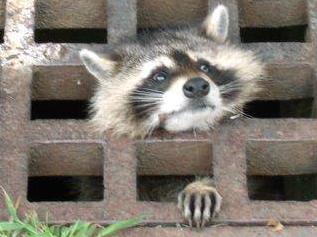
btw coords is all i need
(41, 70)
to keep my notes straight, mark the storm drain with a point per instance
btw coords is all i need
(264, 166)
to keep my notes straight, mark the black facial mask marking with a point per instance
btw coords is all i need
(145, 99)
(181, 58)
(227, 81)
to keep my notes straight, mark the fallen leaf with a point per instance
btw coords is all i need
(275, 224)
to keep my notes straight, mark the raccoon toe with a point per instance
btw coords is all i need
(199, 202)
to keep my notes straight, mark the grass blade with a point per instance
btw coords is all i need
(9, 226)
(32, 226)
(10, 206)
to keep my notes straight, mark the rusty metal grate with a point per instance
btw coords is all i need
(41, 69)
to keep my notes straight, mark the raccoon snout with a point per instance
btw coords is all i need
(196, 87)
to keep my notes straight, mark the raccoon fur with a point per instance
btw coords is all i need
(177, 79)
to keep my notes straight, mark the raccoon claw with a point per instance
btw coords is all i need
(199, 202)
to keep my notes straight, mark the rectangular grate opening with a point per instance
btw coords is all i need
(273, 21)
(161, 175)
(283, 188)
(2, 19)
(59, 109)
(282, 170)
(65, 172)
(70, 21)
(65, 188)
(1, 35)
(172, 13)
(98, 36)
(60, 92)
(273, 34)
(288, 82)
(298, 108)
(161, 188)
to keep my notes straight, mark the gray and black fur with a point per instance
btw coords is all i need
(178, 79)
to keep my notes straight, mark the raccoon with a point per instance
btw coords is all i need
(188, 78)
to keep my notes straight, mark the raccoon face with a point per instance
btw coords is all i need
(180, 79)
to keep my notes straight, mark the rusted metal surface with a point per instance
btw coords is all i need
(159, 158)
(267, 13)
(55, 14)
(288, 82)
(35, 71)
(281, 157)
(223, 231)
(62, 83)
(64, 158)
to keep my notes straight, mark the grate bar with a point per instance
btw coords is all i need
(122, 19)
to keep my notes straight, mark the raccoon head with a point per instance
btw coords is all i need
(182, 79)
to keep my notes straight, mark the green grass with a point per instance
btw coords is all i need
(31, 226)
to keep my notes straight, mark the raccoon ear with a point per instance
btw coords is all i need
(99, 66)
(216, 24)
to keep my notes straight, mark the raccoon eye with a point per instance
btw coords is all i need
(160, 76)
(204, 67)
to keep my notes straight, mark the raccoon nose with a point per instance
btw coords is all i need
(196, 88)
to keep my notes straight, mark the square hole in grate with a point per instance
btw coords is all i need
(161, 188)
(2, 19)
(70, 21)
(273, 34)
(273, 21)
(283, 187)
(164, 168)
(98, 36)
(60, 92)
(65, 172)
(298, 108)
(1, 36)
(65, 188)
(172, 13)
(282, 170)
(59, 109)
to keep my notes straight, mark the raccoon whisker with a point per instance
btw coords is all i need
(194, 132)
(148, 92)
(238, 111)
(146, 105)
(146, 111)
(151, 130)
(210, 126)
(146, 95)
(230, 110)
(145, 100)
(148, 89)
(228, 91)
(244, 114)
(229, 87)
(234, 83)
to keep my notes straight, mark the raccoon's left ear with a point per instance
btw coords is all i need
(100, 66)
(216, 24)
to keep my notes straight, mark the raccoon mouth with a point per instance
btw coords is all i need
(193, 108)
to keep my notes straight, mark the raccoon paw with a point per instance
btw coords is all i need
(199, 202)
